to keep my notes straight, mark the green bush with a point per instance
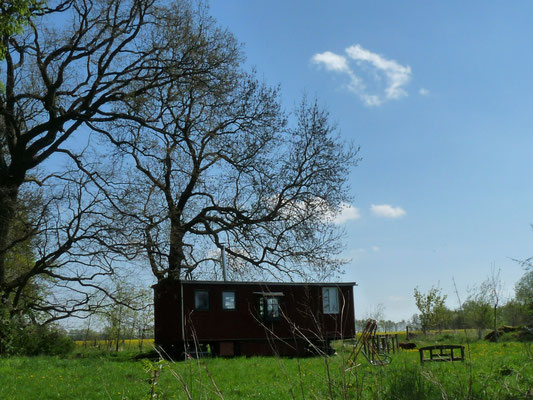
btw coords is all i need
(17, 338)
(7, 333)
(36, 340)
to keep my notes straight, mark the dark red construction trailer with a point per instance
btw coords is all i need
(251, 318)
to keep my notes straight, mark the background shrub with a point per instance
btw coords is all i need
(17, 338)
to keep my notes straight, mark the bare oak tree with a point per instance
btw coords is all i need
(203, 155)
(72, 65)
(218, 162)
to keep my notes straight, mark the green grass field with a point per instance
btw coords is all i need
(492, 371)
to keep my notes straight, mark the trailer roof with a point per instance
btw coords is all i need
(271, 283)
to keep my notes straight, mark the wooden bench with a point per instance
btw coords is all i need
(443, 352)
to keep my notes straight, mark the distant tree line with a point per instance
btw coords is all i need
(484, 308)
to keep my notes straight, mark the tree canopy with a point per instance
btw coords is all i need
(14, 15)
(524, 294)
(431, 307)
(57, 78)
(216, 161)
(130, 130)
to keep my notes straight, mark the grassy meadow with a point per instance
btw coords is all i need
(492, 371)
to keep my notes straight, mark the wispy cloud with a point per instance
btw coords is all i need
(375, 248)
(387, 211)
(331, 61)
(396, 76)
(423, 92)
(337, 215)
(347, 213)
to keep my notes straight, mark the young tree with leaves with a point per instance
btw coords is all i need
(477, 312)
(430, 305)
(524, 295)
(493, 286)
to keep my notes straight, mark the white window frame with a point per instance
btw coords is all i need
(329, 306)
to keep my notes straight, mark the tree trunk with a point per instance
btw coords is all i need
(175, 256)
(495, 323)
(142, 339)
(87, 334)
(8, 204)
(118, 328)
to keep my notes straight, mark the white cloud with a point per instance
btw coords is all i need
(395, 74)
(387, 211)
(371, 100)
(344, 213)
(423, 92)
(347, 213)
(331, 61)
(375, 248)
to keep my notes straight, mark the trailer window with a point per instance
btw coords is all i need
(228, 300)
(330, 300)
(269, 308)
(272, 308)
(201, 300)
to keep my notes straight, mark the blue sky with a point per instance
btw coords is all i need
(439, 97)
